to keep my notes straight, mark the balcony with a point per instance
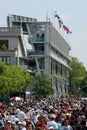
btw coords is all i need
(37, 38)
(32, 69)
(10, 31)
(35, 53)
(7, 53)
(17, 18)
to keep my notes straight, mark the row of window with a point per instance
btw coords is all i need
(59, 69)
(9, 60)
(59, 55)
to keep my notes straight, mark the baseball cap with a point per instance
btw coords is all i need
(51, 128)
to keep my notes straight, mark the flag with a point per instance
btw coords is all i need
(70, 31)
(66, 29)
(56, 15)
(60, 23)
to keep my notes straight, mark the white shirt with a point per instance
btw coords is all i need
(66, 127)
(21, 116)
(23, 128)
(11, 118)
(52, 123)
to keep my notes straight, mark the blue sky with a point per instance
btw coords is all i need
(72, 12)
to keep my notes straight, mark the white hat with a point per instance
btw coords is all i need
(53, 116)
(50, 127)
(19, 123)
(83, 116)
(18, 110)
(9, 121)
(13, 123)
(50, 107)
(25, 118)
(24, 123)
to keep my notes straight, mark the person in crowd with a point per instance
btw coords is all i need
(59, 122)
(50, 113)
(38, 128)
(8, 125)
(52, 122)
(1, 122)
(13, 126)
(35, 116)
(21, 115)
(41, 123)
(46, 118)
(11, 116)
(66, 125)
(23, 126)
(19, 125)
(30, 126)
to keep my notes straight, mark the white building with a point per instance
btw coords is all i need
(37, 47)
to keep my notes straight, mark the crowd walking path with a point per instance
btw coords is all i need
(46, 114)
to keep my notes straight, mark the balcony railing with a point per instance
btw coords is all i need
(35, 53)
(6, 31)
(7, 53)
(32, 68)
(36, 38)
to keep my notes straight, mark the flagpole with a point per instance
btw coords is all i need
(53, 18)
(46, 10)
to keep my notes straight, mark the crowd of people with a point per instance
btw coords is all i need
(46, 114)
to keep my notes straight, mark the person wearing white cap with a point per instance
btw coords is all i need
(19, 125)
(23, 126)
(52, 122)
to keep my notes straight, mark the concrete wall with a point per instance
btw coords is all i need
(13, 43)
(58, 40)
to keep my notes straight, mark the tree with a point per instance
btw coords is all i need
(84, 82)
(83, 85)
(13, 79)
(77, 73)
(42, 87)
(83, 90)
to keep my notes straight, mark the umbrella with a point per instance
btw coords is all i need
(16, 99)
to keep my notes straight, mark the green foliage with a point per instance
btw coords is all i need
(83, 85)
(3, 47)
(84, 82)
(77, 73)
(13, 79)
(42, 86)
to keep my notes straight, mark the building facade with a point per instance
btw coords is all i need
(39, 48)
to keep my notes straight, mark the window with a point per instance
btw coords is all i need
(9, 60)
(3, 44)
